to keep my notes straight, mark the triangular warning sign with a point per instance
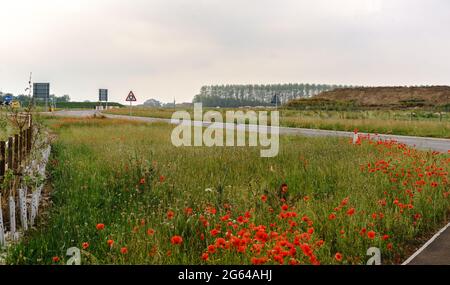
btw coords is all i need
(131, 97)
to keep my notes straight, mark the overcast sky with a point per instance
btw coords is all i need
(169, 48)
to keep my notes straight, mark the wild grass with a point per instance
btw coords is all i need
(6, 128)
(130, 178)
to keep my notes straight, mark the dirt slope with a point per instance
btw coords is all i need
(391, 96)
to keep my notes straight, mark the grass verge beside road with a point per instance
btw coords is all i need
(124, 195)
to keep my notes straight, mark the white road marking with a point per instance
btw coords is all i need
(426, 245)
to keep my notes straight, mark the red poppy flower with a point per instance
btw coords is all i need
(162, 179)
(100, 227)
(150, 232)
(188, 211)
(332, 216)
(363, 231)
(371, 234)
(142, 181)
(110, 242)
(385, 237)
(85, 245)
(205, 256)
(170, 215)
(241, 249)
(279, 258)
(417, 216)
(240, 220)
(214, 232)
(285, 207)
(284, 188)
(351, 212)
(124, 250)
(211, 210)
(55, 259)
(338, 257)
(259, 261)
(264, 198)
(221, 242)
(176, 240)
(211, 249)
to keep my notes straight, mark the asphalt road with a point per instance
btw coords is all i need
(435, 252)
(435, 144)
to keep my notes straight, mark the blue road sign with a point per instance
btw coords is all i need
(41, 90)
(8, 98)
(103, 95)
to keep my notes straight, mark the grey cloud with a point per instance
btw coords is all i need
(167, 49)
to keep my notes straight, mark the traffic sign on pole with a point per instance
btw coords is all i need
(131, 98)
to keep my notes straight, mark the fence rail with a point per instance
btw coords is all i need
(15, 150)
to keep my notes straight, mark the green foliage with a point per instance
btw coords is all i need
(79, 105)
(257, 95)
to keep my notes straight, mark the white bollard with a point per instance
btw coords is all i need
(355, 138)
(12, 217)
(33, 207)
(2, 228)
(23, 209)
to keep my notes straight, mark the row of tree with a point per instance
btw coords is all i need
(258, 95)
(24, 99)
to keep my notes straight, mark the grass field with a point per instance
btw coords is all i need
(420, 123)
(124, 195)
(6, 128)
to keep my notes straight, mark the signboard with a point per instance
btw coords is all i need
(41, 90)
(131, 97)
(103, 95)
(8, 99)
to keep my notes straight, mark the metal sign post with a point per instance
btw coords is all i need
(131, 98)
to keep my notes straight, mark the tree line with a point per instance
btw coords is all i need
(24, 99)
(259, 95)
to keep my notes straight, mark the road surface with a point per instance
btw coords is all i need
(435, 252)
(435, 144)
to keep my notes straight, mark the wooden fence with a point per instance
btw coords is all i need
(14, 157)
(15, 150)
